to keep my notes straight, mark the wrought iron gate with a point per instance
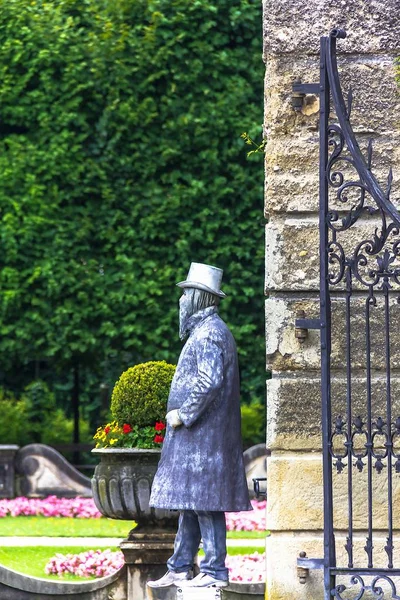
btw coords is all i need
(359, 323)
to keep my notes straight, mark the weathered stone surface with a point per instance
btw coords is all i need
(292, 252)
(365, 75)
(16, 586)
(42, 471)
(291, 46)
(293, 26)
(255, 464)
(145, 557)
(283, 548)
(282, 582)
(297, 477)
(294, 407)
(292, 177)
(286, 353)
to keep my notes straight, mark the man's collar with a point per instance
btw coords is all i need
(199, 317)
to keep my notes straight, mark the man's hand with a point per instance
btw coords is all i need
(173, 418)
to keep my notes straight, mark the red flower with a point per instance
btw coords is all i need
(107, 429)
(159, 426)
(158, 439)
(126, 428)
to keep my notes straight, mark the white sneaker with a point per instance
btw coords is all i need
(170, 578)
(203, 580)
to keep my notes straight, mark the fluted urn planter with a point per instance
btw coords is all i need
(121, 487)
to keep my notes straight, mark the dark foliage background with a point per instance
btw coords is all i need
(121, 162)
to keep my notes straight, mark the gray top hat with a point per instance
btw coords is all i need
(204, 277)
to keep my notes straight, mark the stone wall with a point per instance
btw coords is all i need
(292, 29)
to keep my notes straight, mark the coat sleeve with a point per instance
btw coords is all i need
(207, 384)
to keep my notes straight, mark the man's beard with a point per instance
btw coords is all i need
(185, 312)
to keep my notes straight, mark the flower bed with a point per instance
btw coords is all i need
(252, 520)
(247, 568)
(81, 508)
(84, 508)
(100, 563)
(92, 563)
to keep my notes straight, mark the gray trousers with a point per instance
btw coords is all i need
(194, 526)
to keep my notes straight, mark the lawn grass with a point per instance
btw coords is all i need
(31, 560)
(69, 527)
(64, 527)
(247, 535)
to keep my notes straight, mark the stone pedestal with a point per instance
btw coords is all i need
(7, 470)
(235, 591)
(146, 555)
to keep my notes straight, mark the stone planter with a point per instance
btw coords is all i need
(121, 487)
(7, 457)
(121, 490)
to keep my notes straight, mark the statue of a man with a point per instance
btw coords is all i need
(201, 470)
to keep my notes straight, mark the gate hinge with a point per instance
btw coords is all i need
(304, 565)
(305, 88)
(299, 92)
(302, 325)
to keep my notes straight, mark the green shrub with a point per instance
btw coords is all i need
(14, 425)
(34, 418)
(141, 393)
(121, 162)
(57, 429)
(253, 424)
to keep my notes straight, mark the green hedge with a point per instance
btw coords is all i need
(120, 162)
(34, 417)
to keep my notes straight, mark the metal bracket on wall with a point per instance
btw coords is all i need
(304, 565)
(299, 92)
(302, 325)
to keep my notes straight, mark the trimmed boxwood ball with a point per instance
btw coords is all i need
(140, 395)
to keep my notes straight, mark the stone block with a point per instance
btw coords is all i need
(296, 27)
(294, 407)
(286, 353)
(292, 148)
(283, 548)
(292, 171)
(366, 76)
(297, 477)
(292, 253)
(282, 582)
(42, 471)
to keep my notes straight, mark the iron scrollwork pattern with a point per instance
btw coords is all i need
(374, 590)
(360, 266)
(371, 262)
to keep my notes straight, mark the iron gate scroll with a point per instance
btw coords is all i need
(360, 313)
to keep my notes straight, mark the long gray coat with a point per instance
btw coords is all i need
(201, 465)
